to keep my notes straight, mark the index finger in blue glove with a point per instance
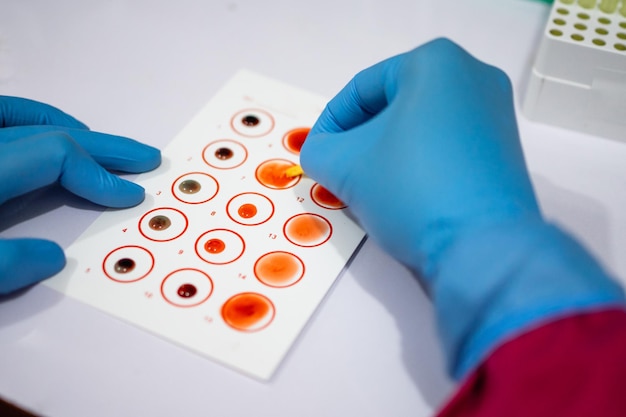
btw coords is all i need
(16, 111)
(37, 161)
(24, 262)
(111, 151)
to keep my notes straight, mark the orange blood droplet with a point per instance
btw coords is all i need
(272, 174)
(214, 246)
(247, 211)
(279, 269)
(247, 311)
(294, 139)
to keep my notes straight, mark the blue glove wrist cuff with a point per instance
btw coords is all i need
(496, 282)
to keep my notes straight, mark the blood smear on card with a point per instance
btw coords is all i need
(248, 311)
(272, 174)
(324, 198)
(294, 139)
(307, 229)
(279, 269)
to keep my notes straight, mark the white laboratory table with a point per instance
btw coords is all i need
(142, 69)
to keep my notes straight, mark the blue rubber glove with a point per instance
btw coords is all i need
(424, 149)
(41, 145)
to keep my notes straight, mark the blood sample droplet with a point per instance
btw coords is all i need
(279, 269)
(294, 139)
(247, 210)
(224, 153)
(187, 290)
(272, 174)
(124, 265)
(189, 186)
(214, 246)
(250, 120)
(248, 311)
(159, 222)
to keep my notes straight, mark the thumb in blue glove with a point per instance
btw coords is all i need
(41, 145)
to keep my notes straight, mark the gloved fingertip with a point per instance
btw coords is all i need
(121, 153)
(150, 158)
(24, 262)
(48, 251)
(138, 194)
(125, 194)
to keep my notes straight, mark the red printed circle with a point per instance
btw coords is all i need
(195, 188)
(187, 287)
(163, 224)
(224, 154)
(250, 209)
(252, 123)
(220, 246)
(128, 264)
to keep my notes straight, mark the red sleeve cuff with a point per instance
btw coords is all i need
(572, 367)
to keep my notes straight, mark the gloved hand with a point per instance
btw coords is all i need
(41, 145)
(424, 149)
(422, 146)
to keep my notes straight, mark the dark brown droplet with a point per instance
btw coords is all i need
(187, 290)
(250, 120)
(124, 265)
(160, 223)
(223, 154)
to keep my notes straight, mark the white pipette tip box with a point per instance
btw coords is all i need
(578, 80)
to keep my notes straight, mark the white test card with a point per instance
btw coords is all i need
(227, 256)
